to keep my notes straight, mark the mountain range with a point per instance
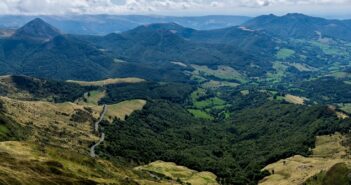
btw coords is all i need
(41, 50)
(105, 24)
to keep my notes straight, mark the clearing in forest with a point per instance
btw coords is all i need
(108, 81)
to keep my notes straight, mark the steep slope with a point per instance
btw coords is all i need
(37, 49)
(301, 26)
(37, 29)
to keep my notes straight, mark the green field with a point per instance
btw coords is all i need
(222, 72)
(200, 114)
(284, 53)
(330, 50)
(280, 70)
(211, 102)
(217, 84)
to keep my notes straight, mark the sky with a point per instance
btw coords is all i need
(326, 8)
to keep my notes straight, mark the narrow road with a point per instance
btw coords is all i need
(96, 130)
(92, 149)
(102, 114)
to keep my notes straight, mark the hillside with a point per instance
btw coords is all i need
(167, 104)
(44, 142)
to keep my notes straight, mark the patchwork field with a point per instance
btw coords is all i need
(296, 170)
(108, 81)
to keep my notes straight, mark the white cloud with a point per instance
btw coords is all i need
(154, 6)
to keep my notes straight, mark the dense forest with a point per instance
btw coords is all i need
(236, 150)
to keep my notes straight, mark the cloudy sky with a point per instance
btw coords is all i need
(331, 8)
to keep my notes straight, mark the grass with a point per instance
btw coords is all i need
(330, 50)
(284, 53)
(297, 170)
(302, 67)
(123, 109)
(245, 92)
(213, 84)
(222, 72)
(210, 102)
(280, 71)
(108, 81)
(180, 173)
(92, 97)
(200, 92)
(294, 99)
(336, 175)
(345, 107)
(341, 75)
(201, 114)
(30, 163)
(53, 123)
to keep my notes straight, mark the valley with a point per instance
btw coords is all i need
(265, 102)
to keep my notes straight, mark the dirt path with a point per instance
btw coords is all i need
(96, 130)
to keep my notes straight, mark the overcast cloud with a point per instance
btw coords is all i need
(174, 7)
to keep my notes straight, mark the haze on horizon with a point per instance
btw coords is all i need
(323, 8)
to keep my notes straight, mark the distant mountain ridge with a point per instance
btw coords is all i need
(301, 26)
(105, 24)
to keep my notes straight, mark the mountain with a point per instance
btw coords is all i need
(37, 29)
(168, 42)
(105, 24)
(301, 26)
(59, 57)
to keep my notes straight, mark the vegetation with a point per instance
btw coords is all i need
(107, 81)
(285, 53)
(181, 174)
(259, 136)
(39, 89)
(330, 150)
(174, 92)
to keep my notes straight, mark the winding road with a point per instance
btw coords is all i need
(96, 130)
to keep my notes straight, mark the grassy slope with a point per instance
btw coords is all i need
(56, 151)
(297, 169)
(180, 173)
(123, 109)
(108, 81)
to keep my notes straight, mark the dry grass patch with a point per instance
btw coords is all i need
(108, 81)
(11, 91)
(123, 109)
(27, 163)
(180, 173)
(297, 169)
(65, 124)
(91, 98)
(295, 99)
